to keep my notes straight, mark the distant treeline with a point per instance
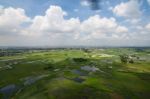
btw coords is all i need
(10, 52)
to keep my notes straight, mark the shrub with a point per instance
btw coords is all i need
(79, 59)
(124, 58)
(131, 61)
(49, 67)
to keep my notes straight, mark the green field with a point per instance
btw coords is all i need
(76, 74)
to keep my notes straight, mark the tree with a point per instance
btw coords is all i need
(80, 59)
(131, 61)
(124, 58)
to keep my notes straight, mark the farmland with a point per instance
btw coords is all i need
(87, 73)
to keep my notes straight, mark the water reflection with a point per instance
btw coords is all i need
(8, 91)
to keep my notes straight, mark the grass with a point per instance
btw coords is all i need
(115, 80)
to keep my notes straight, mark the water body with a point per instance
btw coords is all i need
(8, 91)
(79, 80)
(31, 79)
(90, 68)
(75, 71)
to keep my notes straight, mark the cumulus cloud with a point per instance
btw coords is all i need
(54, 25)
(121, 29)
(101, 27)
(53, 22)
(128, 9)
(11, 20)
(53, 29)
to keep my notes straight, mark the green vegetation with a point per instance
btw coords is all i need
(111, 73)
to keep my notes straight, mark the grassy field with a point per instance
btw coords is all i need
(76, 74)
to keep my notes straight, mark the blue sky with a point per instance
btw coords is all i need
(128, 20)
(38, 7)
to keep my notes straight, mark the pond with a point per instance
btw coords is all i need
(32, 79)
(75, 71)
(79, 80)
(8, 90)
(90, 68)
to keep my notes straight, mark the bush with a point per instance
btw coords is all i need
(79, 59)
(49, 67)
(131, 61)
(124, 58)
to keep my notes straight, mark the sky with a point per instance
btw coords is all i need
(74, 23)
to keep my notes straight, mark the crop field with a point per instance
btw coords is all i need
(76, 74)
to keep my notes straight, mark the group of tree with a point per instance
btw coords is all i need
(126, 59)
(80, 59)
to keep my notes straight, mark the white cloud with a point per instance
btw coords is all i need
(121, 29)
(96, 27)
(94, 23)
(148, 1)
(128, 9)
(85, 3)
(12, 17)
(53, 29)
(1, 9)
(147, 27)
(11, 20)
(53, 22)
